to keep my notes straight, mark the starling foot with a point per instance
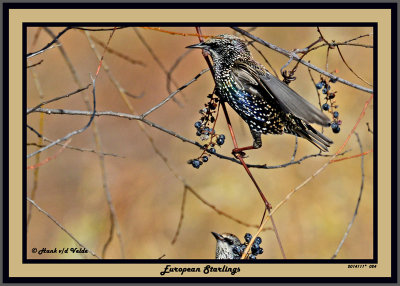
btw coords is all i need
(239, 151)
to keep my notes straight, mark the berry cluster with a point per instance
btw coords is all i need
(255, 248)
(205, 132)
(330, 103)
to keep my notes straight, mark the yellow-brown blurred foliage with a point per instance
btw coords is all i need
(147, 196)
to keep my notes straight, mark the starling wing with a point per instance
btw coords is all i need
(264, 84)
(288, 99)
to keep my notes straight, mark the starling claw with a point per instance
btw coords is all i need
(237, 152)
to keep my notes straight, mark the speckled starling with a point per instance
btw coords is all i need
(265, 103)
(226, 243)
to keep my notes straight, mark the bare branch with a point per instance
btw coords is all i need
(48, 46)
(174, 93)
(62, 228)
(184, 139)
(57, 98)
(33, 65)
(358, 200)
(68, 147)
(73, 132)
(297, 58)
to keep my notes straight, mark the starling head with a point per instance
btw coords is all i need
(225, 244)
(225, 48)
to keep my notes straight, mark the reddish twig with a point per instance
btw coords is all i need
(351, 157)
(267, 204)
(48, 159)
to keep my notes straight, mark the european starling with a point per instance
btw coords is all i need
(226, 243)
(265, 103)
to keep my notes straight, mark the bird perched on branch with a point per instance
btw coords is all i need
(265, 103)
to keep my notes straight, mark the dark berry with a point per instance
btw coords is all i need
(248, 237)
(220, 141)
(319, 85)
(236, 250)
(325, 90)
(196, 163)
(260, 251)
(222, 136)
(242, 247)
(336, 114)
(258, 240)
(212, 150)
(336, 130)
(325, 106)
(254, 248)
(252, 257)
(197, 124)
(205, 159)
(334, 125)
(333, 80)
(331, 95)
(198, 133)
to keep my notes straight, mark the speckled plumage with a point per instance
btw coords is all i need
(265, 103)
(225, 244)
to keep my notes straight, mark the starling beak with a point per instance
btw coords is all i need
(265, 103)
(217, 236)
(197, 46)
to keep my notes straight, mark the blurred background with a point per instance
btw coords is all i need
(146, 194)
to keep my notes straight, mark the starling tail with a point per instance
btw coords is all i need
(264, 102)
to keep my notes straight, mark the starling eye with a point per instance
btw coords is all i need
(228, 240)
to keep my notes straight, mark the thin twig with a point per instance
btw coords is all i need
(306, 181)
(40, 141)
(267, 204)
(347, 65)
(45, 161)
(173, 133)
(73, 148)
(118, 54)
(358, 200)
(49, 45)
(295, 149)
(62, 228)
(69, 135)
(174, 93)
(369, 129)
(181, 216)
(158, 61)
(190, 189)
(174, 66)
(36, 64)
(297, 58)
(113, 216)
(96, 137)
(100, 29)
(56, 98)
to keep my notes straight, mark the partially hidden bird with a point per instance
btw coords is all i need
(266, 104)
(226, 243)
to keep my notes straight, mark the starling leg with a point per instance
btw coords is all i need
(257, 143)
